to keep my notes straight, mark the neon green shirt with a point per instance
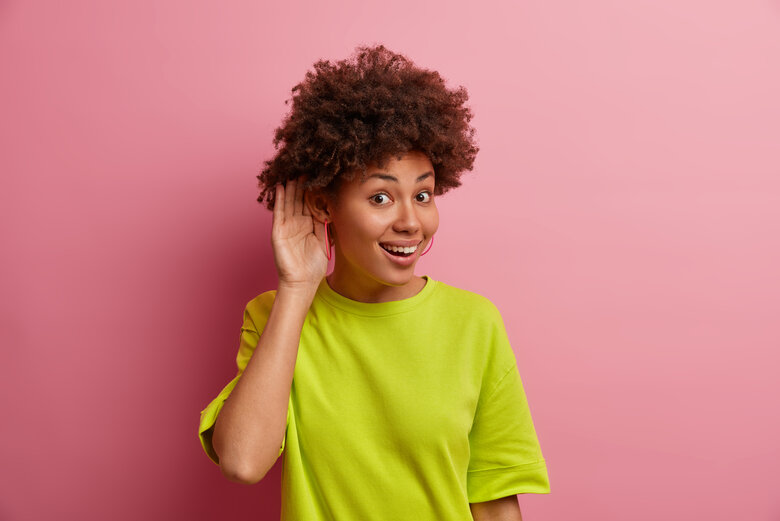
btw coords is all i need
(401, 410)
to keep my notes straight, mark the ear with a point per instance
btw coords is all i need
(319, 205)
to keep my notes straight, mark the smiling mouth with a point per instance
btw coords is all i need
(399, 251)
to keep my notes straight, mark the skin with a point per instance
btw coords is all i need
(503, 509)
(369, 209)
(249, 430)
(397, 204)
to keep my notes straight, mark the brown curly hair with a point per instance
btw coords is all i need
(369, 108)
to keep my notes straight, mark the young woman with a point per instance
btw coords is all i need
(392, 396)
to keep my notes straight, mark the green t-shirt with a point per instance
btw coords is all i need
(401, 410)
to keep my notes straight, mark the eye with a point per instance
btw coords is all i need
(426, 197)
(380, 199)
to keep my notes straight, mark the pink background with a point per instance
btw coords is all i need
(624, 214)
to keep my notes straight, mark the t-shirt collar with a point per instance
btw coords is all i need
(392, 307)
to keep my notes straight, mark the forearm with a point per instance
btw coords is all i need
(251, 424)
(502, 509)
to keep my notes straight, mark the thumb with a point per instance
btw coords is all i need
(319, 232)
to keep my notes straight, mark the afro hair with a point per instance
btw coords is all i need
(367, 109)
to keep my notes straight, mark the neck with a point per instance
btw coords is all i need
(369, 290)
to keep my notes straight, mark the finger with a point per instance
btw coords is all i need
(279, 204)
(299, 197)
(306, 209)
(289, 198)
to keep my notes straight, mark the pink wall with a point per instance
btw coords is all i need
(624, 214)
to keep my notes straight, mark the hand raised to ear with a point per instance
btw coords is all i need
(298, 240)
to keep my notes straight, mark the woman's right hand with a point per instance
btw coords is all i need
(298, 240)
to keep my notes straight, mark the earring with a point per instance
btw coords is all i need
(327, 240)
(428, 248)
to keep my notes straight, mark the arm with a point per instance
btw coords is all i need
(251, 424)
(249, 430)
(502, 509)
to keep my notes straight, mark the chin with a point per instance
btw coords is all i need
(399, 279)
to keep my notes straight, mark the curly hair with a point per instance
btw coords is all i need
(369, 108)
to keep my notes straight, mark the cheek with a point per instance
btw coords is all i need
(377, 224)
(360, 229)
(432, 222)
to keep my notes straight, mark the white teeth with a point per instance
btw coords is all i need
(400, 249)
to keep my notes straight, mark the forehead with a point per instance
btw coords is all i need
(411, 167)
(393, 179)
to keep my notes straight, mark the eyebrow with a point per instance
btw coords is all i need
(388, 177)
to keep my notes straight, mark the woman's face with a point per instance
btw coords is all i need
(387, 207)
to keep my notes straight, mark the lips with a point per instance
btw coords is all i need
(400, 258)
(399, 253)
(401, 243)
(400, 250)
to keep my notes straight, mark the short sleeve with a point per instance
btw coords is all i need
(255, 316)
(505, 456)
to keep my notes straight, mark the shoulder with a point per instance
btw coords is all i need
(258, 309)
(474, 304)
(479, 323)
(262, 301)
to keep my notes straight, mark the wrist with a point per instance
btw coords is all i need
(298, 291)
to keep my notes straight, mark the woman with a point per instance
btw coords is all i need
(392, 396)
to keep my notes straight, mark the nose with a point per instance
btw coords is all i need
(407, 219)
